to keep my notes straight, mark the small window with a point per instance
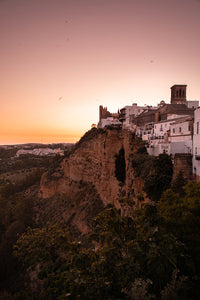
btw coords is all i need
(197, 127)
(173, 130)
(195, 150)
(189, 128)
(179, 129)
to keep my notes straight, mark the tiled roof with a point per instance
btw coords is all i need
(176, 109)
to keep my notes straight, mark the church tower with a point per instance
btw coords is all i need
(178, 94)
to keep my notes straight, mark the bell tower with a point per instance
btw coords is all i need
(178, 94)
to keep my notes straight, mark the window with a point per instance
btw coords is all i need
(189, 127)
(173, 130)
(161, 129)
(179, 129)
(195, 150)
(197, 127)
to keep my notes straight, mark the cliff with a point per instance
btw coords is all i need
(98, 170)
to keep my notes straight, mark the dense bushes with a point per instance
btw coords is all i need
(7, 153)
(155, 171)
(16, 214)
(151, 254)
(148, 255)
(30, 179)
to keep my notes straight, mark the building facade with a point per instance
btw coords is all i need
(196, 144)
(181, 134)
(172, 128)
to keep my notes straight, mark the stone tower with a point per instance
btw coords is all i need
(103, 113)
(178, 94)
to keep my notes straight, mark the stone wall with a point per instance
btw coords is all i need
(183, 162)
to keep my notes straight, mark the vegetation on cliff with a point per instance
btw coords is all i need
(19, 186)
(156, 171)
(89, 135)
(152, 254)
(148, 253)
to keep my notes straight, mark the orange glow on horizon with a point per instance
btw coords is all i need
(43, 138)
(61, 59)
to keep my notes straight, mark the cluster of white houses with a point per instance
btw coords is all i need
(172, 128)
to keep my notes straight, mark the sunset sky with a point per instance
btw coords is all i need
(61, 59)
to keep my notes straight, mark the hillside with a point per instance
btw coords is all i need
(82, 230)
(98, 171)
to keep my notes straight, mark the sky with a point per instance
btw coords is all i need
(61, 59)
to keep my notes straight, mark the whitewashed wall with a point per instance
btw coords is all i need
(196, 144)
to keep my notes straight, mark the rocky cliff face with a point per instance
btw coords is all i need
(93, 162)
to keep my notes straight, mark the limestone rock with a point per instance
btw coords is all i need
(93, 162)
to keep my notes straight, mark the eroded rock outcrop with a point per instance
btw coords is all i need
(94, 162)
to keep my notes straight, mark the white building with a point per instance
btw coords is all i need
(161, 128)
(171, 136)
(196, 144)
(181, 136)
(40, 152)
(110, 121)
(166, 128)
(145, 132)
(158, 141)
(192, 104)
(130, 110)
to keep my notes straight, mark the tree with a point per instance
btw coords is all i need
(159, 180)
(179, 183)
(16, 214)
(48, 252)
(181, 216)
(157, 246)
